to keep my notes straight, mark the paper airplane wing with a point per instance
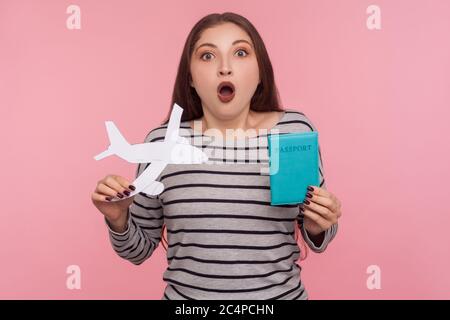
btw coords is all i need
(173, 127)
(146, 181)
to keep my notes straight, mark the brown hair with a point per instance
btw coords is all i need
(266, 97)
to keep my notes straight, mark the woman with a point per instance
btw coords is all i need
(225, 240)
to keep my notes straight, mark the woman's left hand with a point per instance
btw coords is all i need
(321, 208)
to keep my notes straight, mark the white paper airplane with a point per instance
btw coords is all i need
(173, 150)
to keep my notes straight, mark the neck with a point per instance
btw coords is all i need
(228, 127)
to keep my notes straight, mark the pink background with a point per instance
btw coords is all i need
(379, 98)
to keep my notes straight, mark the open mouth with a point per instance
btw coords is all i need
(225, 91)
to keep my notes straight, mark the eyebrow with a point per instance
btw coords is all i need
(214, 46)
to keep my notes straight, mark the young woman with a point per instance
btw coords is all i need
(225, 240)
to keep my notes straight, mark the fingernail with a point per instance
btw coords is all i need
(302, 209)
(131, 187)
(306, 201)
(309, 195)
(108, 198)
(119, 195)
(127, 193)
(310, 188)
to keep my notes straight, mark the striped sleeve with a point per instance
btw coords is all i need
(331, 232)
(143, 233)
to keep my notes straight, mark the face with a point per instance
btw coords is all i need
(224, 53)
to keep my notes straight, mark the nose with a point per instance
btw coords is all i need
(225, 69)
(225, 72)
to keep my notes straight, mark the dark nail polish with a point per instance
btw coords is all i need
(131, 187)
(108, 198)
(306, 201)
(309, 195)
(302, 209)
(310, 189)
(119, 195)
(127, 193)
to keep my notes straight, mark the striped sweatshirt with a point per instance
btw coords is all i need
(225, 239)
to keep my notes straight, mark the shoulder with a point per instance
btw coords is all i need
(156, 134)
(294, 121)
(159, 132)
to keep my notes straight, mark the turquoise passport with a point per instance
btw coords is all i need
(294, 165)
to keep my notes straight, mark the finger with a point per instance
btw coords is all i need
(323, 201)
(106, 190)
(326, 199)
(321, 192)
(111, 182)
(317, 218)
(125, 183)
(101, 197)
(339, 204)
(321, 210)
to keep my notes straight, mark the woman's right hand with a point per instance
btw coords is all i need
(107, 188)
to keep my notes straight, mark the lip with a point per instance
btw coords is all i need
(229, 97)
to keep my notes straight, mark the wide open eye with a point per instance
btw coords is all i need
(242, 50)
(206, 54)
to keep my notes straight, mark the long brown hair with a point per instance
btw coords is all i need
(266, 97)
